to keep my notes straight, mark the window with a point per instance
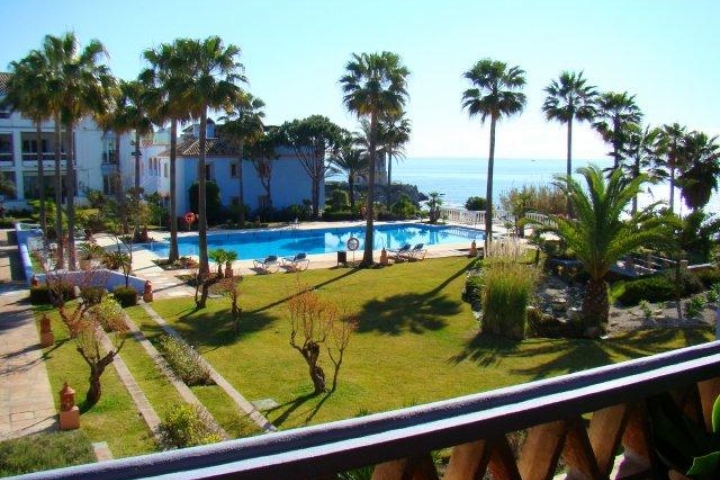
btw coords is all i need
(208, 172)
(109, 184)
(264, 201)
(6, 147)
(233, 170)
(165, 169)
(235, 201)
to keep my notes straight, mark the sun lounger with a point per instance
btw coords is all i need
(399, 252)
(268, 265)
(297, 263)
(417, 253)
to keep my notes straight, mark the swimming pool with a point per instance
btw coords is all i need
(287, 242)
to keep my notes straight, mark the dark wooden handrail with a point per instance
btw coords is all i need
(323, 450)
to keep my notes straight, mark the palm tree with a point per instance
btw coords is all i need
(352, 162)
(699, 178)
(599, 235)
(244, 124)
(395, 134)
(167, 81)
(569, 99)
(116, 120)
(615, 112)
(138, 111)
(641, 150)
(375, 87)
(82, 87)
(495, 94)
(668, 154)
(27, 92)
(215, 71)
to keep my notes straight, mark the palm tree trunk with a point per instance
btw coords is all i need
(136, 194)
(388, 188)
(568, 205)
(70, 186)
(241, 186)
(367, 260)
(491, 166)
(351, 185)
(41, 177)
(173, 254)
(595, 307)
(202, 201)
(636, 173)
(119, 193)
(672, 188)
(60, 254)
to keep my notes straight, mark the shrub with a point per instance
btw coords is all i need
(185, 361)
(476, 203)
(186, 425)
(473, 292)
(709, 276)
(92, 295)
(40, 294)
(506, 294)
(115, 260)
(659, 288)
(338, 216)
(694, 307)
(126, 296)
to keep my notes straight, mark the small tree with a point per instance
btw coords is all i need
(314, 322)
(107, 315)
(433, 204)
(230, 287)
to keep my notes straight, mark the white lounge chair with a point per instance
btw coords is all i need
(268, 265)
(399, 252)
(417, 253)
(297, 263)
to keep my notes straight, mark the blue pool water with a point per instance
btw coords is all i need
(287, 242)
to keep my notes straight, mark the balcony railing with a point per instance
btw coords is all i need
(399, 443)
(47, 156)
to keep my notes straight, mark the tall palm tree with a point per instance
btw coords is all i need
(215, 71)
(374, 86)
(599, 234)
(569, 98)
(701, 158)
(668, 154)
(244, 124)
(138, 113)
(641, 150)
(83, 88)
(27, 92)
(615, 112)
(167, 81)
(494, 94)
(115, 120)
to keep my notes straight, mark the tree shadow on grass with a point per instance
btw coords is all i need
(215, 329)
(552, 357)
(288, 408)
(412, 312)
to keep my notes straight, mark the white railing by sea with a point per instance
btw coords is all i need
(539, 218)
(460, 215)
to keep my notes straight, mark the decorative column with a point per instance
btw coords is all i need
(384, 257)
(473, 249)
(69, 412)
(148, 292)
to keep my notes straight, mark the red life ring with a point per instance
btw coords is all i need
(190, 217)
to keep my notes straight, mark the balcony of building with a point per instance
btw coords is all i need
(588, 425)
(29, 150)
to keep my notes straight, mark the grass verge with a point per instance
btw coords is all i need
(44, 452)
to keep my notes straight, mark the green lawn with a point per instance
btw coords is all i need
(416, 342)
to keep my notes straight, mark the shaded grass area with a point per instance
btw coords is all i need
(220, 406)
(114, 419)
(44, 452)
(416, 342)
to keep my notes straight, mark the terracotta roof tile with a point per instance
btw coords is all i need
(4, 79)
(215, 147)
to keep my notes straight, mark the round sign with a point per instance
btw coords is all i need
(353, 244)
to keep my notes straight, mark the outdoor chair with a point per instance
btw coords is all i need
(297, 263)
(417, 253)
(399, 252)
(267, 265)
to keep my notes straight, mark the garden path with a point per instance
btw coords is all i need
(26, 399)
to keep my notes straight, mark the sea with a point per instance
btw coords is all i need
(460, 178)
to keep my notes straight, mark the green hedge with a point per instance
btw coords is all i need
(126, 296)
(659, 288)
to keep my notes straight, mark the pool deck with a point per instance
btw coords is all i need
(166, 283)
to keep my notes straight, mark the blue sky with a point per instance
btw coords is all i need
(663, 51)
